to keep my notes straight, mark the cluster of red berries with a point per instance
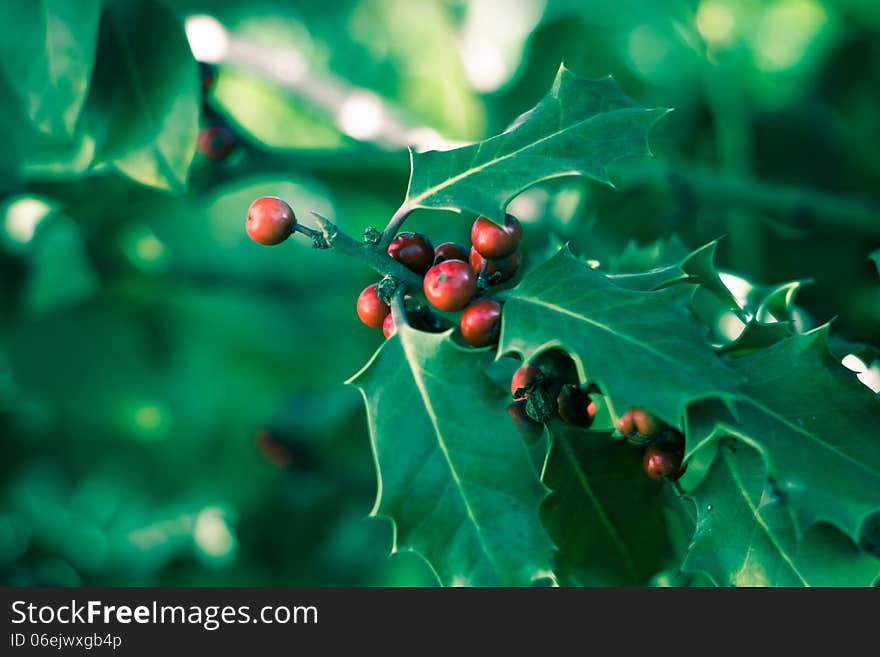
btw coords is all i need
(546, 387)
(550, 386)
(454, 279)
(664, 445)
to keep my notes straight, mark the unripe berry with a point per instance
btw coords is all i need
(504, 268)
(494, 241)
(270, 221)
(413, 250)
(216, 142)
(663, 463)
(575, 406)
(481, 323)
(388, 327)
(530, 430)
(371, 309)
(450, 285)
(524, 376)
(449, 251)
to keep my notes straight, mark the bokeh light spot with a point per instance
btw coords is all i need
(485, 66)
(361, 115)
(207, 38)
(212, 533)
(150, 248)
(785, 32)
(23, 216)
(715, 22)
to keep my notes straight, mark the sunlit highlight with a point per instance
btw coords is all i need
(23, 216)
(715, 22)
(361, 115)
(207, 38)
(785, 32)
(212, 534)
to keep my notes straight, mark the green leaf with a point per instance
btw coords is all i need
(642, 348)
(603, 513)
(579, 128)
(841, 347)
(769, 303)
(697, 267)
(60, 272)
(635, 259)
(875, 256)
(454, 475)
(146, 83)
(272, 117)
(745, 535)
(816, 425)
(47, 52)
(756, 336)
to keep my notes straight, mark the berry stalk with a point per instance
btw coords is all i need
(394, 225)
(373, 255)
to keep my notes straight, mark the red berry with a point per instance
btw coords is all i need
(662, 464)
(449, 251)
(625, 424)
(270, 221)
(450, 285)
(494, 241)
(481, 323)
(575, 406)
(524, 376)
(371, 309)
(388, 327)
(273, 451)
(413, 250)
(558, 367)
(645, 423)
(530, 430)
(506, 267)
(639, 424)
(216, 142)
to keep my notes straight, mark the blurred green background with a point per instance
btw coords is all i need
(171, 402)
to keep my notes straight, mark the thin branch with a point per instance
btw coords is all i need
(805, 205)
(372, 255)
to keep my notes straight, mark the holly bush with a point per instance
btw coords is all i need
(785, 484)
(574, 397)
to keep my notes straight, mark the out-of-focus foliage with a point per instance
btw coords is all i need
(171, 405)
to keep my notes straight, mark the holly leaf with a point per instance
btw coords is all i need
(817, 428)
(579, 128)
(642, 348)
(756, 336)
(841, 348)
(773, 303)
(603, 513)
(148, 94)
(697, 267)
(659, 253)
(454, 475)
(745, 534)
(47, 54)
